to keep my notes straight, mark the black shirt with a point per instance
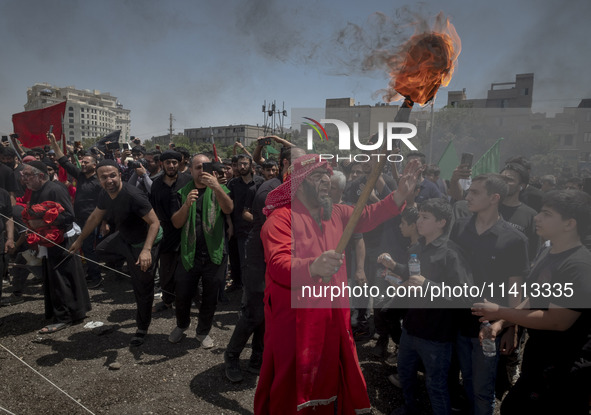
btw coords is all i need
(126, 212)
(6, 210)
(202, 252)
(7, 179)
(494, 256)
(87, 191)
(532, 196)
(20, 188)
(522, 218)
(238, 190)
(429, 190)
(560, 349)
(165, 201)
(441, 262)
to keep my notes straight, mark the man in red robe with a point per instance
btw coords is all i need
(310, 361)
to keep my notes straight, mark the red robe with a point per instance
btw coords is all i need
(310, 358)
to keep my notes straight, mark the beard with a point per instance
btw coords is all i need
(325, 202)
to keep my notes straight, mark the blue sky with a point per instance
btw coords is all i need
(214, 63)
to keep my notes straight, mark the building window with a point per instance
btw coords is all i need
(70, 109)
(587, 137)
(71, 120)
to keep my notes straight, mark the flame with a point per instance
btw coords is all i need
(424, 63)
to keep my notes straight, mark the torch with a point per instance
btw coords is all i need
(423, 64)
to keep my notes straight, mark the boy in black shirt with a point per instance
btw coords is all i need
(555, 374)
(430, 328)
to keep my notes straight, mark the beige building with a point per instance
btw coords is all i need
(89, 114)
(225, 135)
(517, 94)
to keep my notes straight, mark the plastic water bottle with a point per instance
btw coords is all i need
(489, 347)
(414, 265)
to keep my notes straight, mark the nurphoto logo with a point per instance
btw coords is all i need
(401, 131)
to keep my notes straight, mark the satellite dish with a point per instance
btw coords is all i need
(270, 113)
(285, 113)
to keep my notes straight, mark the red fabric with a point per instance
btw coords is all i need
(32, 126)
(62, 175)
(215, 154)
(48, 212)
(309, 352)
(24, 200)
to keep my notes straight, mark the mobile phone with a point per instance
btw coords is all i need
(5, 138)
(208, 168)
(265, 141)
(14, 135)
(467, 159)
(587, 185)
(126, 146)
(50, 129)
(113, 146)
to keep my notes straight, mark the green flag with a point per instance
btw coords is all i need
(448, 161)
(489, 162)
(271, 150)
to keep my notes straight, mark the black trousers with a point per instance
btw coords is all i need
(114, 248)
(65, 292)
(252, 318)
(167, 266)
(186, 283)
(545, 394)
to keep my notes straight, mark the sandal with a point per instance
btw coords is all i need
(52, 328)
(138, 338)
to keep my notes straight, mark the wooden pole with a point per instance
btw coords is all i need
(402, 116)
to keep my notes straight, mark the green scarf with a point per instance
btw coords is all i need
(212, 223)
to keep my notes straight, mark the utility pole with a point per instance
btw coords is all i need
(271, 124)
(170, 129)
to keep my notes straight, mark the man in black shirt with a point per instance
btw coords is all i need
(252, 318)
(204, 251)
(497, 254)
(9, 158)
(556, 370)
(88, 189)
(521, 217)
(7, 178)
(6, 234)
(238, 189)
(66, 295)
(164, 200)
(136, 239)
(516, 213)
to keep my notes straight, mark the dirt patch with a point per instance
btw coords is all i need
(156, 378)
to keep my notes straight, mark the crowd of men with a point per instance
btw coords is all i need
(191, 223)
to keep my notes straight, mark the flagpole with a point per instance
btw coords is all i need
(431, 132)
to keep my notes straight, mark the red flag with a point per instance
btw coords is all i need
(32, 126)
(215, 153)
